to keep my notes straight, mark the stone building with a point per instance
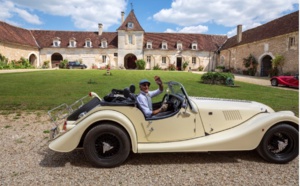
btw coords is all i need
(277, 37)
(130, 42)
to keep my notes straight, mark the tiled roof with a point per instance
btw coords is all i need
(16, 35)
(280, 26)
(204, 42)
(45, 38)
(131, 18)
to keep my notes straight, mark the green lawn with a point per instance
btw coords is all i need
(43, 90)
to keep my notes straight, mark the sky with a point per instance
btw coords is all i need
(218, 17)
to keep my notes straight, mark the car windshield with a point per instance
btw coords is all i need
(179, 90)
(176, 88)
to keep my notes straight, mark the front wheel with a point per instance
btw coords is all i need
(280, 144)
(106, 145)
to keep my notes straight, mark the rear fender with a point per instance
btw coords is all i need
(70, 140)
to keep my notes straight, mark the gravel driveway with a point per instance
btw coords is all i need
(26, 160)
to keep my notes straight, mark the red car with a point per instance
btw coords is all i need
(291, 81)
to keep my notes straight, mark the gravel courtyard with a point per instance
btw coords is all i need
(26, 160)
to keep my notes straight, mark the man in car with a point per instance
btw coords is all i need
(144, 98)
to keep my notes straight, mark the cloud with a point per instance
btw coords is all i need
(227, 13)
(84, 14)
(30, 18)
(190, 29)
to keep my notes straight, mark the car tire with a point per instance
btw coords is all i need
(280, 144)
(274, 82)
(106, 145)
(84, 109)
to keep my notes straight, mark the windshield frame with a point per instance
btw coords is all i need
(179, 91)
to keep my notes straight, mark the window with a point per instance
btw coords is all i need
(72, 43)
(179, 45)
(193, 60)
(88, 43)
(56, 42)
(149, 45)
(164, 45)
(164, 60)
(194, 46)
(130, 39)
(148, 59)
(103, 43)
(104, 59)
(292, 42)
(115, 54)
(130, 25)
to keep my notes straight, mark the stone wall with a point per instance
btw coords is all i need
(233, 57)
(15, 52)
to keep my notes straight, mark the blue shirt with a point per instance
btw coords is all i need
(143, 101)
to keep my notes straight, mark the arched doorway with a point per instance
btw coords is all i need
(266, 65)
(56, 58)
(129, 60)
(32, 60)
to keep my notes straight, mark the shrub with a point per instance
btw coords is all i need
(216, 77)
(63, 63)
(185, 64)
(141, 64)
(251, 64)
(200, 68)
(156, 67)
(220, 67)
(3, 62)
(46, 64)
(171, 67)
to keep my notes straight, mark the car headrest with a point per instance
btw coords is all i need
(126, 93)
(132, 88)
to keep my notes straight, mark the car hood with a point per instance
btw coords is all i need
(229, 104)
(221, 114)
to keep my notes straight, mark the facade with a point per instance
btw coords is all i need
(278, 37)
(130, 42)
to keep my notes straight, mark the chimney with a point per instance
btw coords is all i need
(100, 29)
(122, 14)
(239, 33)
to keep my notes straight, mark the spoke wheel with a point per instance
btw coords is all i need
(106, 145)
(280, 144)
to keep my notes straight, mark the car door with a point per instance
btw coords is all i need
(292, 81)
(180, 126)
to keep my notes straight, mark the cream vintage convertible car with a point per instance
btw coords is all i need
(109, 129)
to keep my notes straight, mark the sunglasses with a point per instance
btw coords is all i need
(145, 84)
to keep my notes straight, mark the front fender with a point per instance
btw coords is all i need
(70, 140)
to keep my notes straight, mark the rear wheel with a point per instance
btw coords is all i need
(274, 82)
(106, 145)
(280, 144)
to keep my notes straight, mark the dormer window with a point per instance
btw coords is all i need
(103, 43)
(164, 45)
(72, 42)
(194, 46)
(179, 45)
(88, 43)
(56, 42)
(130, 25)
(149, 45)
